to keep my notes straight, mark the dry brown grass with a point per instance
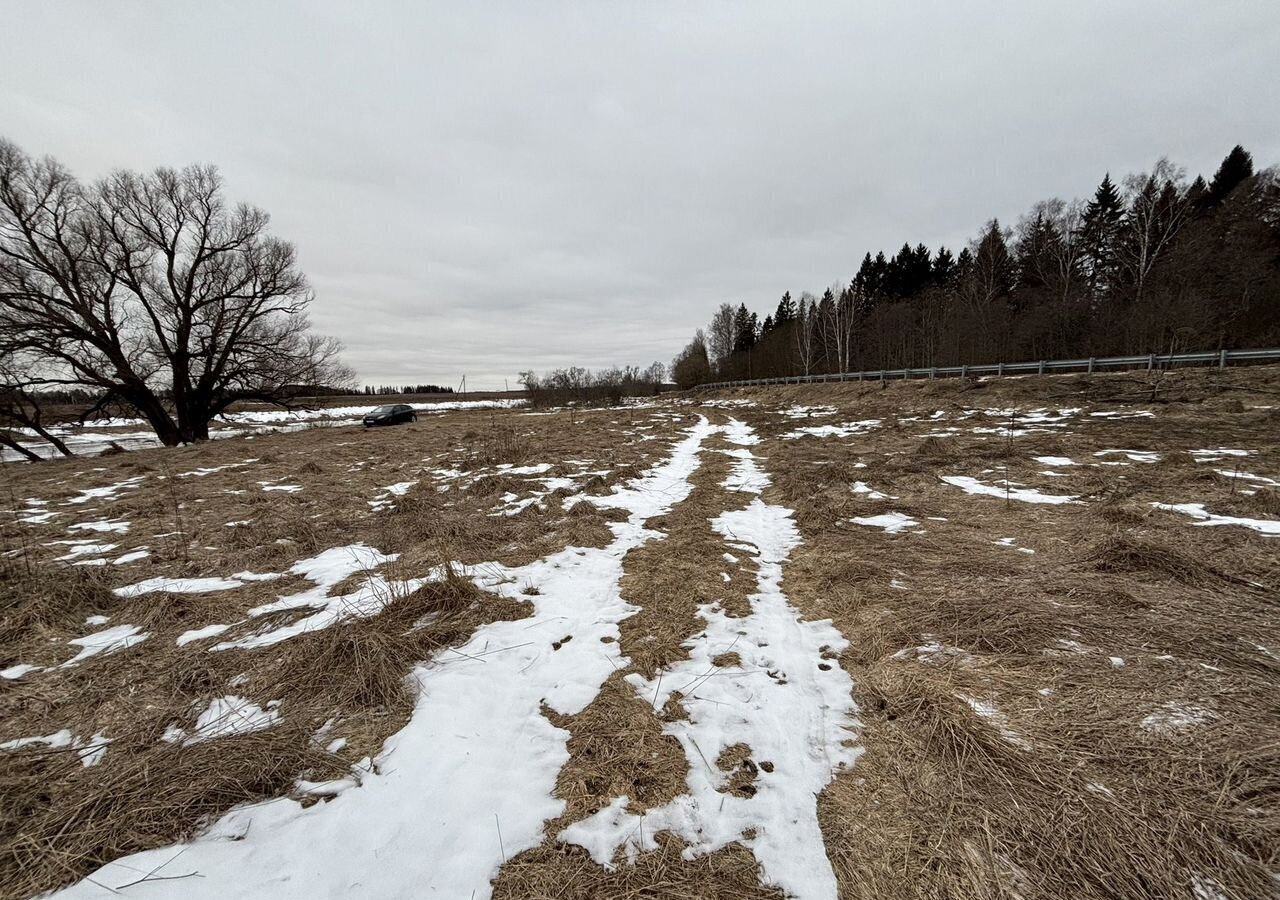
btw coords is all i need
(1008, 758)
(59, 820)
(1062, 791)
(568, 873)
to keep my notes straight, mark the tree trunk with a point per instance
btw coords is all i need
(13, 445)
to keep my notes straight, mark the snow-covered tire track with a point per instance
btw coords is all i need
(791, 706)
(470, 781)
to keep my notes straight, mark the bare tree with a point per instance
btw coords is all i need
(722, 335)
(1158, 208)
(21, 407)
(805, 328)
(691, 366)
(154, 293)
(843, 324)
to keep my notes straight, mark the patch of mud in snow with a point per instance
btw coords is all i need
(1012, 491)
(794, 710)
(426, 824)
(1197, 511)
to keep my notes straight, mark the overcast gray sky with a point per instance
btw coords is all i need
(481, 188)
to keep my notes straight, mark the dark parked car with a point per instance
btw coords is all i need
(390, 415)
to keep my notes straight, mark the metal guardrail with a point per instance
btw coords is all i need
(1150, 361)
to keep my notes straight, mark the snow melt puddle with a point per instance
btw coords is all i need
(1009, 490)
(477, 758)
(1197, 511)
(794, 710)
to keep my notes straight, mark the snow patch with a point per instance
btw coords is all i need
(790, 706)
(1011, 491)
(846, 429)
(1176, 716)
(225, 717)
(890, 522)
(111, 640)
(1268, 527)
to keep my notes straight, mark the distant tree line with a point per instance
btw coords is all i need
(578, 385)
(1155, 264)
(385, 389)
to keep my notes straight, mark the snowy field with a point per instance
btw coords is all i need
(938, 639)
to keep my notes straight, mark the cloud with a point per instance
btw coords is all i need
(483, 188)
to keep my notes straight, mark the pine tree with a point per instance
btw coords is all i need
(944, 266)
(744, 326)
(1036, 252)
(1235, 168)
(786, 311)
(1100, 235)
(1198, 194)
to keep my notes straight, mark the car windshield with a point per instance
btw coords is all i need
(384, 410)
